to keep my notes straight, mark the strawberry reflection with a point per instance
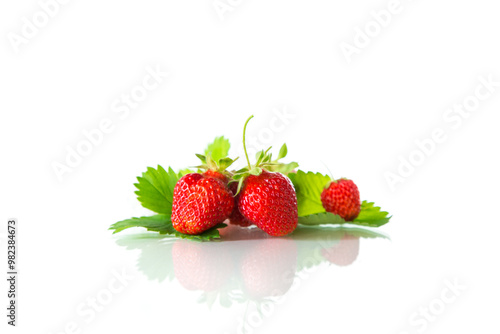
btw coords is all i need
(201, 266)
(344, 253)
(264, 266)
(246, 264)
(269, 267)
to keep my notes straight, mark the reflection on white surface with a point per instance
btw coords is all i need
(247, 264)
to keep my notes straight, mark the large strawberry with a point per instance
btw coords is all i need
(200, 202)
(203, 200)
(341, 197)
(266, 198)
(269, 201)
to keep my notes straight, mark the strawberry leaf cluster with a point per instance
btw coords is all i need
(155, 191)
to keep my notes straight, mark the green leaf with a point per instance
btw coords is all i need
(321, 219)
(202, 158)
(255, 171)
(210, 234)
(224, 163)
(156, 189)
(163, 225)
(240, 184)
(267, 158)
(218, 149)
(370, 215)
(283, 168)
(185, 171)
(156, 223)
(309, 187)
(259, 157)
(283, 152)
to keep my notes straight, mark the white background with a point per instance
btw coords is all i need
(354, 118)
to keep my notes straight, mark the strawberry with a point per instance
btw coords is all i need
(236, 218)
(216, 174)
(203, 200)
(200, 202)
(341, 197)
(269, 201)
(267, 198)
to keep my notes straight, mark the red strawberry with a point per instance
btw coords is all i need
(217, 175)
(341, 197)
(236, 218)
(269, 201)
(200, 202)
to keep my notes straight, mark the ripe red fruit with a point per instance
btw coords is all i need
(200, 202)
(236, 218)
(341, 197)
(269, 201)
(217, 175)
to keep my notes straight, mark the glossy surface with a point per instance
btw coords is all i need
(316, 280)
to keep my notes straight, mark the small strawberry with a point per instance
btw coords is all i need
(267, 198)
(341, 197)
(200, 202)
(236, 218)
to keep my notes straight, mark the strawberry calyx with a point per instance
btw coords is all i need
(264, 161)
(214, 167)
(336, 181)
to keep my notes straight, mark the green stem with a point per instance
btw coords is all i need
(244, 144)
